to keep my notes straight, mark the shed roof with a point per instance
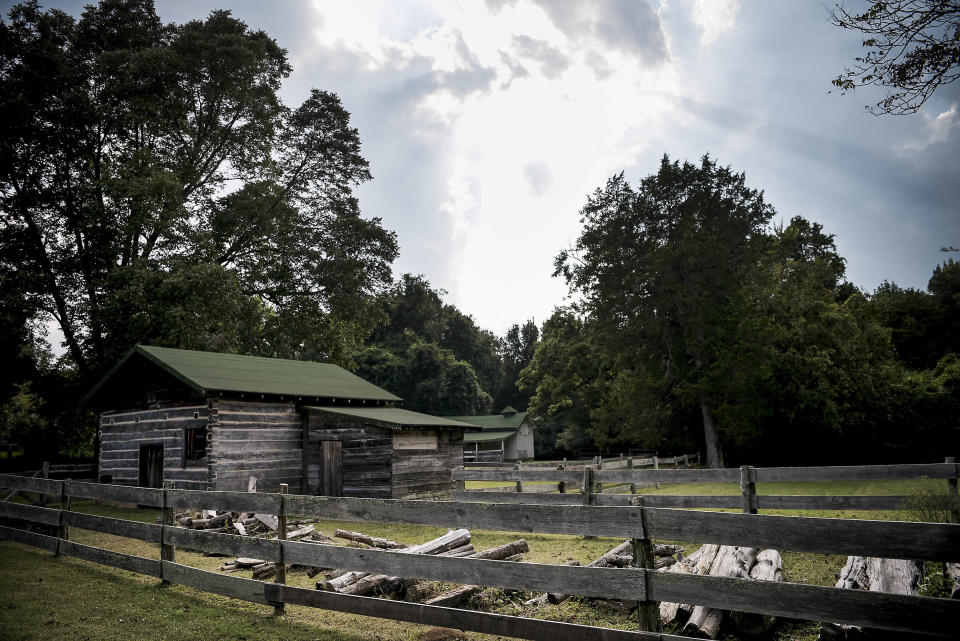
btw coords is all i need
(210, 371)
(494, 421)
(392, 416)
(487, 436)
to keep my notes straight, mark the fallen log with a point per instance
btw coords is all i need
(769, 567)
(264, 572)
(952, 571)
(207, 524)
(412, 589)
(372, 541)
(603, 561)
(697, 563)
(451, 540)
(731, 561)
(245, 562)
(453, 598)
(503, 551)
(241, 528)
(893, 576)
(268, 519)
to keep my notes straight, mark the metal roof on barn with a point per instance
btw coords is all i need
(213, 372)
(392, 417)
(506, 420)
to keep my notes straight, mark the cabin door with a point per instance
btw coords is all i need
(331, 468)
(151, 465)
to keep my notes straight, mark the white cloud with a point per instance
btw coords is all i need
(936, 130)
(714, 17)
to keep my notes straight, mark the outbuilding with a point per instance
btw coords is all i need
(507, 436)
(205, 420)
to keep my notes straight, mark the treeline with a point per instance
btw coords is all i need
(700, 322)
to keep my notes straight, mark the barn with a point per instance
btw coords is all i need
(204, 420)
(507, 436)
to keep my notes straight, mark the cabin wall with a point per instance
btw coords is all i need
(520, 444)
(366, 455)
(247, 439)
(425, 470)
(123, 433)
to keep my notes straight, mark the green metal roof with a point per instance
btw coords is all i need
(494, 421)
(391, 416)
(209, 372)
(487, 436)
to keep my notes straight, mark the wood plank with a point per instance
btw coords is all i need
(150, 567)
(495, 624)
(124, 493)
(856, 472)
(42, 541)
(223, 543)
(223, 584)
(792, 600)
(838, 502)
(31, 513)
(460, 474)
(121, 527)
(536, 498)
(172, 412)
(225, 501)
(612, 583)
(726, 475)
(926, 541)
(30, 484)
(671, 501)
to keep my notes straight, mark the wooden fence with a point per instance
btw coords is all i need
(922, 541)
(589, 481)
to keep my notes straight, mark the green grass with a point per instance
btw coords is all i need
(49, 598)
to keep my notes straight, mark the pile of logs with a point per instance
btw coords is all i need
(725, 561)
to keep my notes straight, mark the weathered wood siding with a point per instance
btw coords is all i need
(247, 439)
(520, 444)
(367, 454)
(427, 471)
(122, 434)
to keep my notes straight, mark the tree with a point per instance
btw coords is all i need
(156, 189)
(913, 48)
(660, 271)
(517, 349)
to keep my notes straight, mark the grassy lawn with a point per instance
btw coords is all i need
(49, 598)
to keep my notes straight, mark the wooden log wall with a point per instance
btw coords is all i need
(122, 434)
(367, 455)
(247, 439)
(423, 472)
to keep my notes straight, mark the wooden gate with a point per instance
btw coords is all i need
(331, 468)
(151, 465)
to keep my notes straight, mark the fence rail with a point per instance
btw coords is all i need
(934, 542)
(590, 482)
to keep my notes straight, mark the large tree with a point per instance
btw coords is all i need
(153, 187)
(912, 48)
(660, 271)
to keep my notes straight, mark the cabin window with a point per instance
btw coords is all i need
(194, 443)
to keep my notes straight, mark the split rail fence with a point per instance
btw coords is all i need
(921, 541)
(551, 487)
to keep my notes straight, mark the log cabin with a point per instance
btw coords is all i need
(205, 420)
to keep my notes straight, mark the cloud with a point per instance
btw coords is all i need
(714, 17)
(552, 61)
(937, 129)
(538, 177)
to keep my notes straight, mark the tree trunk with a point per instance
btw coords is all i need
(711, 437)
(769, 567)
(372, 541)
(697, 563)
(453, 598)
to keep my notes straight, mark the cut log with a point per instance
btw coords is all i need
(245, 562)
(662, 549)
(268, 519)
(697, 563)
(603, 561)
(296, 534)
(207, 514)
(241, 528)
(263, 572)
(503, 551)
(769, 567)
(453, 598)
(213, 522)
(894, 576)
(953, 574)
(731, 561)
(372, 541)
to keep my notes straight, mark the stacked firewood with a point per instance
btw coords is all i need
(724, 561)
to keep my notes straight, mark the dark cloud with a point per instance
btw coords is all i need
(552, 61)
(630, 26)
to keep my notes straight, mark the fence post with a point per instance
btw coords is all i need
(633, 486)
(686, 461)
(167, 552)
(279, 608)
(562, 486)
(656, 466)
(516, 467)
(587, 488)
(598, 487)
(460, 485)
(64, 533)
(648, 612)
(45, 473)
(748, 487)
(952, 489)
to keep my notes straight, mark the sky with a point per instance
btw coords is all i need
(488, 123)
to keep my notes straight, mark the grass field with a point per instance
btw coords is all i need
(49, 598)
